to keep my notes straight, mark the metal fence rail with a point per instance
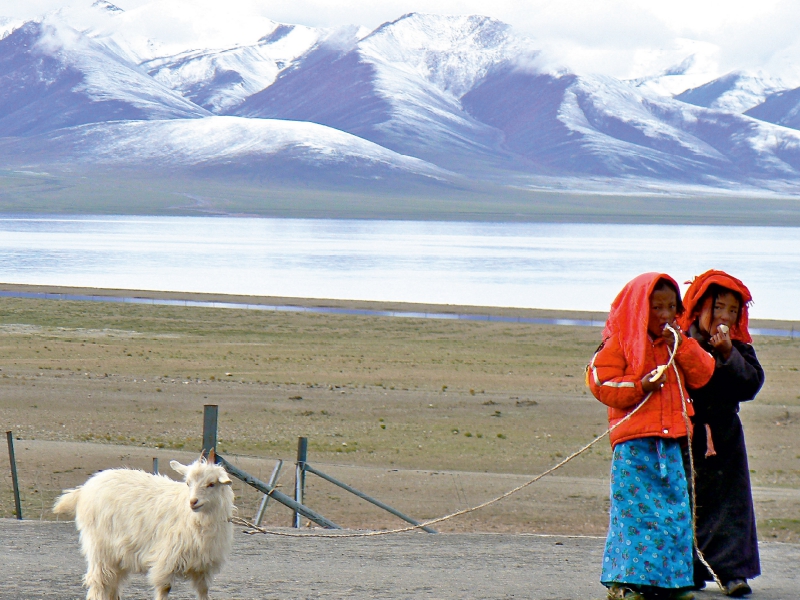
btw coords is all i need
(279, 496)
(364, 496)
(210, 417)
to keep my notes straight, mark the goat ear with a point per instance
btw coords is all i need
(224, 479)
(178, 467)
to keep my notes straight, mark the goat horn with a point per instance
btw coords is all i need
(212, 456)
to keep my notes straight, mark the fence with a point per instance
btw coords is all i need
(14, 479)
(296, 504)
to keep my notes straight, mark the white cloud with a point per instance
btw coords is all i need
(607, 36)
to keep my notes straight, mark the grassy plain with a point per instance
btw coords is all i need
(428, 415)
(150, 193)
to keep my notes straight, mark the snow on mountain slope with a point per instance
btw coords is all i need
(781, 108)
(423, 65)
(456, 92)
(737, 91)
(450, 52)
(226, 142)
(106, 6)
(682, 65)
(219, 80)
(601, 126)
(423, 96)
(9, 24)
(171, 27)
(569, 124)
(55, 77)
(330, 85)
(451, 90)
(398, 86)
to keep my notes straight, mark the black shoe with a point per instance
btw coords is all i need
(737, 588)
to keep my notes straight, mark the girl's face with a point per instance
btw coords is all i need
(663, 308)
(726, 311)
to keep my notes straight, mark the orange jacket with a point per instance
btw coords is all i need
(617, 385)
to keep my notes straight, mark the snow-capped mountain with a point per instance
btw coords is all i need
(8, 24)
(598, 125)
(756, 94)
(106, 6)
(737, 91)
(54, 76)
(441, 100)
(670, 71)
(457, 92)
(262, 146)
(164, 28)
(781, 108)
(219, 80)
(399, 86)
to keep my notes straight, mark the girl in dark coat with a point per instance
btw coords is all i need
(717, 317)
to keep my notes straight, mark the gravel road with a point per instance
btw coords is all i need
(41, 560)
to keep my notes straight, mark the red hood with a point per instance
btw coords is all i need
(699, 286)
(629, 315)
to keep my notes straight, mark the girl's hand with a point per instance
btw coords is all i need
(721, 342)
(650, 386)
(670, 338)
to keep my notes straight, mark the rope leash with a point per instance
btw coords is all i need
(256, 529)
(253, 528)
(693, 474)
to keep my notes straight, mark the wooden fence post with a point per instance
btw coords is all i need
(210, 414)
(14, 480)
(300, 476)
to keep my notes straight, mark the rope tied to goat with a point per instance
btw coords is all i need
(254, 529)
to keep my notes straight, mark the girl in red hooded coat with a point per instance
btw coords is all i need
(648, 552)
(717, 317)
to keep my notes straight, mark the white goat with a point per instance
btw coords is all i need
(134, 522)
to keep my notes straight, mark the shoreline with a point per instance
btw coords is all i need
(72, 195)
(348, 307)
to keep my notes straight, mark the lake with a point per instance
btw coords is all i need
(532, 265)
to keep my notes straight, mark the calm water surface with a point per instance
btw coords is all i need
(567, 266)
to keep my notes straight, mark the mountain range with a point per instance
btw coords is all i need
(425, 100)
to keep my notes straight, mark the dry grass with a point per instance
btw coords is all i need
(479, 401)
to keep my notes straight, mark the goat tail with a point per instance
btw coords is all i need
(67, 502)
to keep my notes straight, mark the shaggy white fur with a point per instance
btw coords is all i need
(134, 522)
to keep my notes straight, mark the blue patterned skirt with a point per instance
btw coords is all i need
(650, 531)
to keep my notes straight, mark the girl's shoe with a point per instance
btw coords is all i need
(737, 588)
(622, 592)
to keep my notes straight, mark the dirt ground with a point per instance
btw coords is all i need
(41, 560)
(429, 416)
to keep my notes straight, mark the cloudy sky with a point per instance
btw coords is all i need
(623, 38)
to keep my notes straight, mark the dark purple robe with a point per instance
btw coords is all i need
(726, 523)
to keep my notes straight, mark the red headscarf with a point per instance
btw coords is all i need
(629, 316)
(700, 285)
